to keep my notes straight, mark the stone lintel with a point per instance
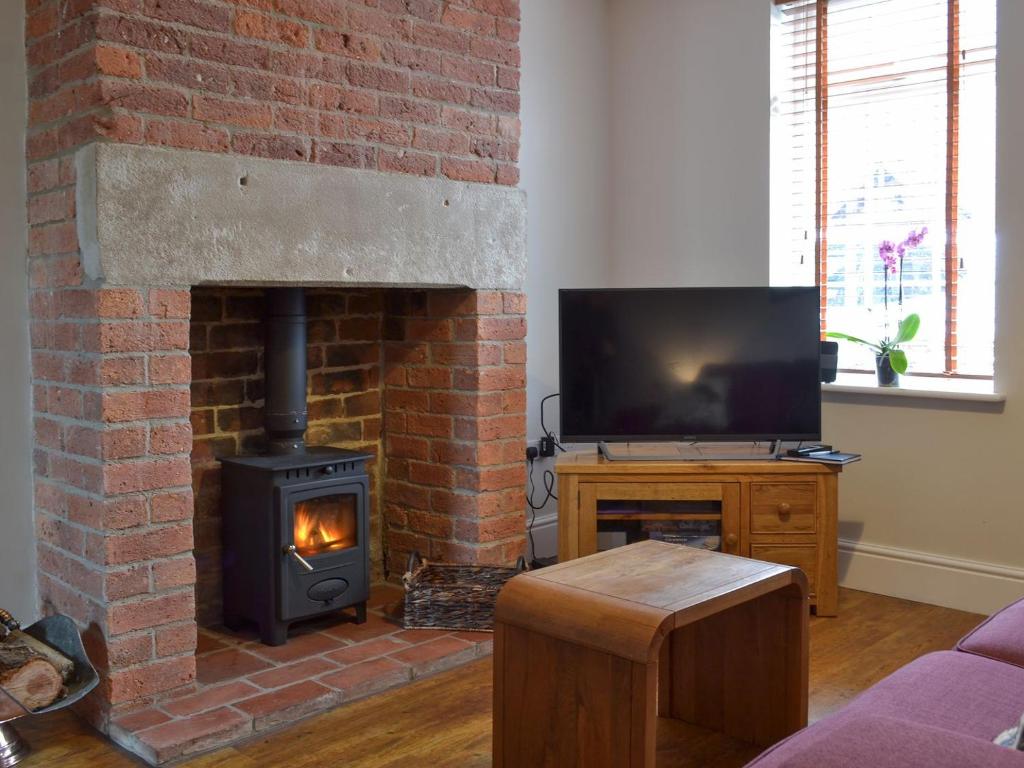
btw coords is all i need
(155, 216)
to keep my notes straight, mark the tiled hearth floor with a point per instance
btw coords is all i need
(243, 687)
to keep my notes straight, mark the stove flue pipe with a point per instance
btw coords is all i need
(284, 364)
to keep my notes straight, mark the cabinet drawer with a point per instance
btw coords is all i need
(803, 556)
(783, 507)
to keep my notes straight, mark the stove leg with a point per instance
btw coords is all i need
(274, 633)
(361, 613)
(13, 748)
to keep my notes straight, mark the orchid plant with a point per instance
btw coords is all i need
(892, 255)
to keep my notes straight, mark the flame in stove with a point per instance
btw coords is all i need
(316, 531)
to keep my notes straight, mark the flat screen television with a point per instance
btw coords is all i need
(689, 364)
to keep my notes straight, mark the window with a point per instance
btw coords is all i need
(883, 122)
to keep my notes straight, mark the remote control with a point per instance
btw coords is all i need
(809, 450)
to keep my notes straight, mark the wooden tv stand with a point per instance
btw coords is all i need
(780, 511)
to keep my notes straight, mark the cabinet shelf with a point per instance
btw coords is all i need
(655, 516)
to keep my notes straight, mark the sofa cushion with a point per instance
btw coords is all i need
(943, 709)
(957, 692)
(1000, 636)
(860, 740)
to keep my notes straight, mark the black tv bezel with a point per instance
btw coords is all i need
(711, 438)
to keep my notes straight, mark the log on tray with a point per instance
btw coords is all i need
(28, 677)
(63, 664)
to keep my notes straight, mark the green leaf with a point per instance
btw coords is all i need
(854, 339)
(909, 326)
(898, 360)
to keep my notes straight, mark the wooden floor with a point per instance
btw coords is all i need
(446, 720)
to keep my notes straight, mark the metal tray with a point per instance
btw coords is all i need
(61, 633)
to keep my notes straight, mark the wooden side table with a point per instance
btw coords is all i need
(588, 653)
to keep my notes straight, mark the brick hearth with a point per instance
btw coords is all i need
(243, 687)
(131, 411)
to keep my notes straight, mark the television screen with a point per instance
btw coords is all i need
(689, 364)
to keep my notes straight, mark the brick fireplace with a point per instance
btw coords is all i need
(185, 155)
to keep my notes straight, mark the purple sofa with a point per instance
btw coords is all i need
(941, 711)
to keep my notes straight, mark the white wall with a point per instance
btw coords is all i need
(689, 140)
(933, 513)
(17, 542)
(564, 166)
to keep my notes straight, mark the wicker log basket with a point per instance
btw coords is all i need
(460, 597)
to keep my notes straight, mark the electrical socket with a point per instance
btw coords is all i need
(547, 447)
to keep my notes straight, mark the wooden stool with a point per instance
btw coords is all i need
(578, 647)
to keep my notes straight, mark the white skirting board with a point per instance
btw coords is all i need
(545, 535)
(967, 585)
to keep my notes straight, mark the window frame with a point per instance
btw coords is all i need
(950, 262)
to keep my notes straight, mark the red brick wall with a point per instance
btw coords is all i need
(416, 86)
(455, 424)
(110, 371)
(113, 500)
(344, 362)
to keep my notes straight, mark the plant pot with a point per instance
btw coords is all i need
(887, 377)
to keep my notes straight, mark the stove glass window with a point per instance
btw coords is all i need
(326, 524)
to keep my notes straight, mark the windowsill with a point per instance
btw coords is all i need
(927, 387)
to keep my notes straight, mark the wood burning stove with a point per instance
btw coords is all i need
(295, 538)
(296, 531)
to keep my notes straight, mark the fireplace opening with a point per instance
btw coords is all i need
(427, 384)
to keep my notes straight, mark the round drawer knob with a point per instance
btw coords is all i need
(731, 539)
(784, 508)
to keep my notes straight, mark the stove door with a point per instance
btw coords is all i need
(325, 523)
(324, 557)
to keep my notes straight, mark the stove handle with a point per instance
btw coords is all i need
(290, 550)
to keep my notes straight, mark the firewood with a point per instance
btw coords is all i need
(28, 677)
(18, 639)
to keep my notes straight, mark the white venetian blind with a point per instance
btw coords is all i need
(794, 144)
(903, 146)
